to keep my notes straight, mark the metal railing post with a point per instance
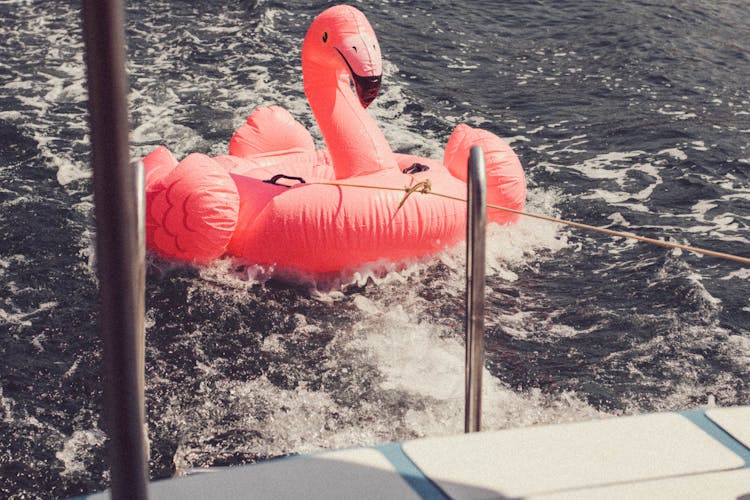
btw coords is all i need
(119, 252)
(476, 224)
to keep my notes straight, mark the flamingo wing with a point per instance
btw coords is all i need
(192, 211)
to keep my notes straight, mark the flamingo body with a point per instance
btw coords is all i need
(202, 208)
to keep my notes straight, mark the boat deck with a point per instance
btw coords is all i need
(692, 454)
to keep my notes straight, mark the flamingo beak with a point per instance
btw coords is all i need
(361, 54)
(367, 88)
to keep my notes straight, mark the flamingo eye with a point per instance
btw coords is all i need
(325, 37)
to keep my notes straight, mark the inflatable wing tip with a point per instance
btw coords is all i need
(157, 164)
(192, 214)
(506, 181)
(267, 130)
(160, 154)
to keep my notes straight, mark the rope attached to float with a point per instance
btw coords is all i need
(425, 187)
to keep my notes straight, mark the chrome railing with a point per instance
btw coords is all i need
(476, 223)
(119, 248)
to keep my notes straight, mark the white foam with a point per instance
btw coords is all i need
(23, 319)
(739, 346)
(76, 450)
(10, 115)
(678, 114)
(686, 370)
(674, 153)
(68, 171)
(604, 166)
(421, 358)
(517, 138)
(70, 371)
(291, 421)
(520, 242)
(617, 167)
(725, 225)
(6, 404)
(741, 274)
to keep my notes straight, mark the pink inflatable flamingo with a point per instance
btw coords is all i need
(276, 201)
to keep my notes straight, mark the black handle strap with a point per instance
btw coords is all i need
(415, 168)
(274, 180)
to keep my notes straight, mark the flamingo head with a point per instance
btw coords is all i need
(341, 40)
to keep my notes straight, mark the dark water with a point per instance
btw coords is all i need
(634, 115)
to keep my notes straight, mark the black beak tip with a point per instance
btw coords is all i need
(367, 88)
(366, 101)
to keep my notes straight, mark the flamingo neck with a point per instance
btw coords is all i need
(354, 140)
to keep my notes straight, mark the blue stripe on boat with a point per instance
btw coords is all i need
(699, 418)
(410, 472)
